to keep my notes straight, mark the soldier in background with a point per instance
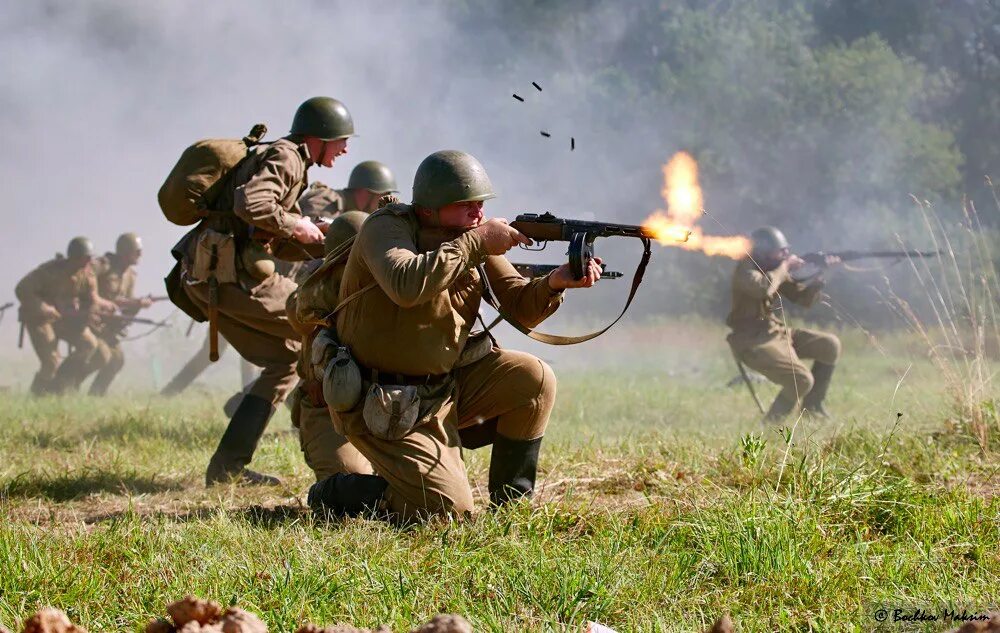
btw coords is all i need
(58, 300)
(369, 181)
(761, 340)
(198, 363)
(256, 223)
(116, 279)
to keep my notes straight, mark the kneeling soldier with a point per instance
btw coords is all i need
(409, 296)
(759, 338)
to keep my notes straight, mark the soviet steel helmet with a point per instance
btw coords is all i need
(128, 243)
(373, 176)
(450, 176)
(79, 247)
(342, 228)
(767, 239)
(323, 117)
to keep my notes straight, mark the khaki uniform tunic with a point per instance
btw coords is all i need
(71, 292)
(252, 313)
(761, 340)
(326, 451)
(416, 322)
(114, 283)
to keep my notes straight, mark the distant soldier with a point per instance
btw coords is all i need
(58, 300)
(369, 181)
(230, 272)
(415, 275)
(116, 277)
(761, 340)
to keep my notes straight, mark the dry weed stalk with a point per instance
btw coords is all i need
(961, 329)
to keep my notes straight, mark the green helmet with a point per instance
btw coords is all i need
(127, 244)
(373, 176)
(767, 239)
(344, 227)
(79, 247)
(322, 117)
(450, 176)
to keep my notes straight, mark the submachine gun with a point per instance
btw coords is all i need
(580, 235)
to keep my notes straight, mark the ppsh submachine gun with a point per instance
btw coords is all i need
(580, 236)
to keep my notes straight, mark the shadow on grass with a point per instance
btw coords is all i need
(73, 485)
(255, 515)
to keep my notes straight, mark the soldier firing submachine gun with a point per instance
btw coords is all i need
(580, 235)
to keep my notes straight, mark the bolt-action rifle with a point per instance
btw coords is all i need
(819, 258)
(581, 235)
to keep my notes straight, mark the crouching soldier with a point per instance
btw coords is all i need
(761, 340)
(409, 295)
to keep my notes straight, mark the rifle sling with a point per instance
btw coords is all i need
(554, 339)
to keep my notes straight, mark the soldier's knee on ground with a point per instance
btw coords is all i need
(532, 389)
(457, 505)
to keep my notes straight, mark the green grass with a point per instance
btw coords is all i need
(662, 505)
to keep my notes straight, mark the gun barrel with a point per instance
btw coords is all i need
(854, 255)
(549, 228)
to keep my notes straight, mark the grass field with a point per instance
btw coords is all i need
(663, 504)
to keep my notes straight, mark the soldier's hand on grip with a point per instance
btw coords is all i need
(562, 277)
(499, 237)
(794, 262)
(306, 232)
(49, 312)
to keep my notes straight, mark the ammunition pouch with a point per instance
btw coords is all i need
(214, 257)
(391, 411)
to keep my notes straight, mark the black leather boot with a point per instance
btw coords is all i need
(238, 444)
(346, 495)
(780, 409)
(813, 402)
(513, 468)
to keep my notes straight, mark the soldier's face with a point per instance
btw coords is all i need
(79, 263)
(460, 215)
(325, 152)
(132, 257)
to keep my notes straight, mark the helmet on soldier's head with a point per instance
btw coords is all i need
(127, 244)
(342, 228)
(79, 247)
(450, 176)
(768, 239)
(323, 117)
(373, 176)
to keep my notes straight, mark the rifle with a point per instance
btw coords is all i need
(581, 235)
(4, 308)
(539, 270)
(819, 258)
(134, 302)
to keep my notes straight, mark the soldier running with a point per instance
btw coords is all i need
(264, 225)
(58, 300)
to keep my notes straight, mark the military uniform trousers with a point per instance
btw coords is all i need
(779, 358)
(254, 323)
(425, 470)
(55, 374)
(326, 451)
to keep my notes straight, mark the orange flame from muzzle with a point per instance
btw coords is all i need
(677, 226)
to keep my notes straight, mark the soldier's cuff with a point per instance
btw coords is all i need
(472, 247)
(285, 224)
